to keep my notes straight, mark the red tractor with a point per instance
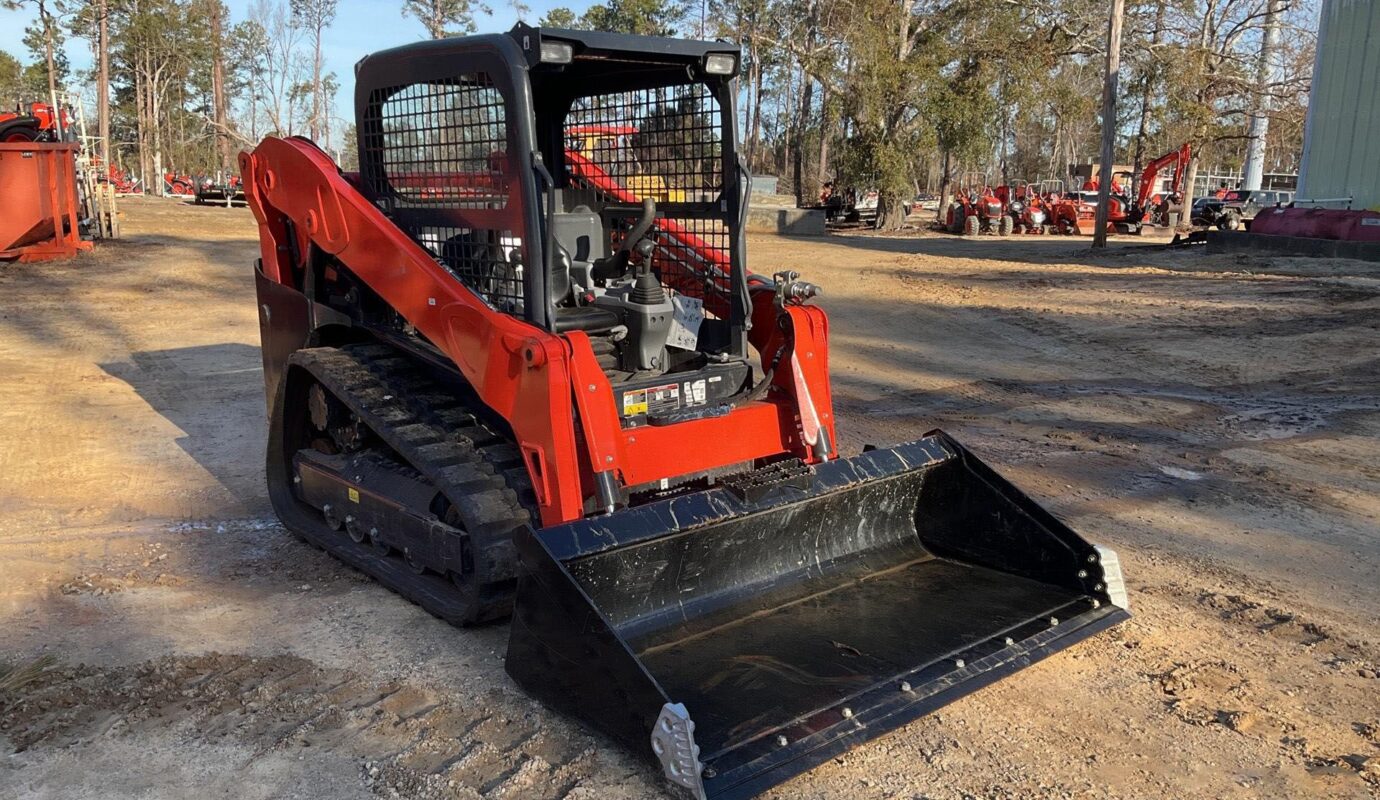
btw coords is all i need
(504, 383)
(1075, 213)
(123, 182)
(1028, 211)
(179, 185)
(978, 209)
(38, 125)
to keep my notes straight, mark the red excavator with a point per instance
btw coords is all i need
(1151, 205)
(1076, 212)
(503, 382)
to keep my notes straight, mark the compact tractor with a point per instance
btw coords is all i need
(1025, 207)
(978, 209)
(504, 383)
(39, 124)
(179, 185)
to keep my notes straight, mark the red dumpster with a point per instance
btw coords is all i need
(38, 201)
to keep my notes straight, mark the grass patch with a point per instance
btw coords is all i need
(14, 676)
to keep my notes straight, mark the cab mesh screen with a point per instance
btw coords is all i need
(666, 144)
(435, 159)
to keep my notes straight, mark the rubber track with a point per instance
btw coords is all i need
(477, 469)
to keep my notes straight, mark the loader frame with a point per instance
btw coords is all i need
(538, 381)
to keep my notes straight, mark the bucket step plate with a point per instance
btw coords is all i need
(739, 639)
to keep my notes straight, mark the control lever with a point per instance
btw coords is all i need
(615, 266)
(646, 288)
(634, 239)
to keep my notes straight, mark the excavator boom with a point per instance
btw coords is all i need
(1148, 176)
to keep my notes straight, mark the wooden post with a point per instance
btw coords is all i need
(1109, 92)
(114, 211)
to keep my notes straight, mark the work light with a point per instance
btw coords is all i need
(720, 64)
(556, 52)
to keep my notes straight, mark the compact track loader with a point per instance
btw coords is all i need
(504, 383)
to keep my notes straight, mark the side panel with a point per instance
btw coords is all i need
(284, 325)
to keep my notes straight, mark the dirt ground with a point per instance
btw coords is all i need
(1214, 419)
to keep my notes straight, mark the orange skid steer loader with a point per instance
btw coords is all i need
(505, 384)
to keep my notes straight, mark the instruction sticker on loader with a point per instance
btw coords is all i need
(653, 400)
(686, 315)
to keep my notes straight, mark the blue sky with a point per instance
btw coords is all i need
(361, 27)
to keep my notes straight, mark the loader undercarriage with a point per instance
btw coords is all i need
(417, 482)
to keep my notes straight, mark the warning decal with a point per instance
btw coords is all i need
(653, 400)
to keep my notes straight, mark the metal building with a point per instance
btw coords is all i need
(1341, 143)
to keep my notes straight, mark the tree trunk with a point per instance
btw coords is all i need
(156, 129)
(1253, 173)
(1109, 93)
(315, 126)
(945, 189)
(825, 131)
(47, 22)
(754, 133)
(1148, 85)
(103, 81)
(891, 212)
(220, 106)
(784, 110)
(141, 91)
(1002, 154)
(1186, 215)
(798, 160)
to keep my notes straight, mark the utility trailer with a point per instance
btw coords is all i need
(226, 190)
(506, 382)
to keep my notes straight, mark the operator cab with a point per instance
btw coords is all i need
(581, 181)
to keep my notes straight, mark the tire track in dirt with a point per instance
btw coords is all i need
(407, 739)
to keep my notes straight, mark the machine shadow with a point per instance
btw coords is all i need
(199, 388)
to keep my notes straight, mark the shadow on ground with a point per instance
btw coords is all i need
(214, 394)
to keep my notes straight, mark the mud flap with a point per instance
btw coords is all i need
(741, 635)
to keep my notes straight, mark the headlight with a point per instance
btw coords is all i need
(721, 64)
(556, 52)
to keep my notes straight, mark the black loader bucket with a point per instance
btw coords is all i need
(741, 635)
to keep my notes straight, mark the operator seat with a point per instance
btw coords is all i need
(579, 235)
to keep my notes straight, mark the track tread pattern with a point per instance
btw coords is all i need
(468, 462)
